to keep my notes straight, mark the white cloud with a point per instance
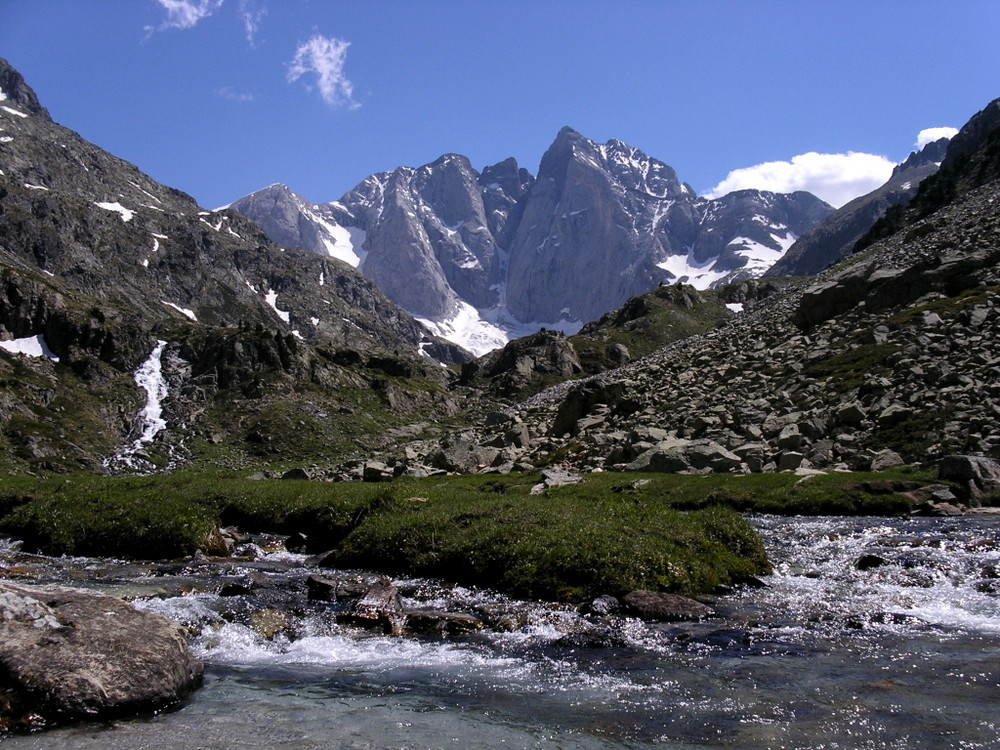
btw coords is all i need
(836, 178)
(183, 14)
(929, 135)
(234, 96)
(325, 57)
(251, 15)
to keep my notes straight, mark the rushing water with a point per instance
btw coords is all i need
(149, 377)
(903, 654)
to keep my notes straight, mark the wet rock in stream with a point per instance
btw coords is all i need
(67, 654)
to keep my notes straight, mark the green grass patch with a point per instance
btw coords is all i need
(610, 534)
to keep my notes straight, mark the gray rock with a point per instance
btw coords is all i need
(983, 472)
(790, 439)
(70, 654)
(790, 460)
(894, 414)
(555, 477)
(376, 471)
(886, 459)
(655, 605)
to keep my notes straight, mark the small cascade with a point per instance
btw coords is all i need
(149, 377)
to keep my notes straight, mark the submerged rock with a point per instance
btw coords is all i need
(656, 605)
(67, 654)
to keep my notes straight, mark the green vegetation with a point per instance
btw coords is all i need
(610, 534)
(848, 369)
(646, 323)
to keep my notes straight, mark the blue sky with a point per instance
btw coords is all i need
(223, 97)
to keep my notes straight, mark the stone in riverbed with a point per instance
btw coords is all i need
(655, 605)
(67, 654)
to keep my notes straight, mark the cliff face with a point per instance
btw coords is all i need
(600, 223)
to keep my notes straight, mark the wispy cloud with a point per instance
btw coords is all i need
(183, 14)
(251, 13)
(836, 178)
(929, 135)
(234, 96)
(325, 57)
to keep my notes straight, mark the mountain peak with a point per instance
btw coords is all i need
(14, 90)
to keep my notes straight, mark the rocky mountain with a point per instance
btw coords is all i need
(972, 160)
(834, 237)
(115, 288)
(891, 356)
(482, 257)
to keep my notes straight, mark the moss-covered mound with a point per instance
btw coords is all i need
(609, 534)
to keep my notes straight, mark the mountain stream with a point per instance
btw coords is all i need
(871, 633)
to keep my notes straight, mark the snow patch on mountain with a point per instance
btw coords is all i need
(182, 310)
(31, 346)
(342, 243)
(468, 329)
(482, 331)
(689, 271)
(272, 299)
(126, 213)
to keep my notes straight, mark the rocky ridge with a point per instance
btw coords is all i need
(833, 239)
(482, 257)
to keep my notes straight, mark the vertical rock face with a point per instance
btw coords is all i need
(585, 241)
(600, 223)
(429, 244)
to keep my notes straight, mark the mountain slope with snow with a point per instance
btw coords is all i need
(482, 258)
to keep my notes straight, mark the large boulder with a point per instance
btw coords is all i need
(980, 475)
(68, 654)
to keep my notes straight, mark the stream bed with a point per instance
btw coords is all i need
(871, 633)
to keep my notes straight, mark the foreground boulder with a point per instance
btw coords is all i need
(67, 654)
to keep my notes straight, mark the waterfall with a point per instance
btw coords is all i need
(149, 377)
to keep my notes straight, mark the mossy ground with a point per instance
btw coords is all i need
(610, 534)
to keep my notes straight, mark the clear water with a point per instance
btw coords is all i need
(906, 655)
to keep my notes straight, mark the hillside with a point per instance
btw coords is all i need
(266, 352)
(890, 356)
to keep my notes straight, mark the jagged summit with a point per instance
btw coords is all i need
(485, 257)
(15, 92)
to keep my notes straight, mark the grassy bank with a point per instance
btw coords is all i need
(610, 534)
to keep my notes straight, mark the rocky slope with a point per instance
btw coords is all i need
(487, 256)
(98, 263)
(890, 356)
(972, 160)
(834, 238)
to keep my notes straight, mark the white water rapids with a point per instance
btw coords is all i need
(904, 655)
